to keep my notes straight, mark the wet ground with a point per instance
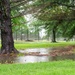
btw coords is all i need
(40, 55)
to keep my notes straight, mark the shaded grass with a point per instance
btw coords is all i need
(42, 44)
(66, 67)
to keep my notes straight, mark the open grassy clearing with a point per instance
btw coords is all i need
(25, 45)
(66, 67)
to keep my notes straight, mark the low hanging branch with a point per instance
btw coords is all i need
(38, 9)
(20, 3)
(15, 1)
(63, 4)
(31, 10)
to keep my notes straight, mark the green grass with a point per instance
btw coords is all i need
(66, 67)
(25, 45)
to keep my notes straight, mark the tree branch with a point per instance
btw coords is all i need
(63, 4)
(15, 1)
(20, 3)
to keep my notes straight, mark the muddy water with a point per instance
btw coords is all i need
(37, 50)
(34, 55)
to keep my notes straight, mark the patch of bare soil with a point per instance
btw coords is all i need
(55, 52)
(63, 51)
(36, 54)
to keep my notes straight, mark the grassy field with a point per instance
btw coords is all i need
(24, 45)
(44, 44)
(66, 67)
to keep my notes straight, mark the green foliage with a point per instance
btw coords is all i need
(50, 14)
(56, 14)
(69, 30)
(18, 22)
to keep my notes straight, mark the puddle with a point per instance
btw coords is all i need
(35, 55)
(32, 59)
(37, 50)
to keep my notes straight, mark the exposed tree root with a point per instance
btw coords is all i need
(4, 51)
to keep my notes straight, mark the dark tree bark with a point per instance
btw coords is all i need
(27, 35)
(48, 36)
(38, 35)
(35, 33)
(53, 35)
(6, 33)
(16, 35)
(21, 38)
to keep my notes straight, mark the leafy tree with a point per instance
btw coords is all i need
(37, 26)
(55, 12)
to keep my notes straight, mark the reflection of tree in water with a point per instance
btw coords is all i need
(7, 59)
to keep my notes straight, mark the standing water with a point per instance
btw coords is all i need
(34, 55)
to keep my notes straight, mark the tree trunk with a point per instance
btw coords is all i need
(6, 33)
(38, 35)
(35, 33)
(48, 35)
(16, 35)
(53, 35)
(7, 41)
(27, 35)
(21, 35)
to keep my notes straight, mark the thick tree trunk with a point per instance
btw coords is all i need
(7, 41)
(6, 33)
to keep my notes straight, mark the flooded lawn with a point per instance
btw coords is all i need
(40, 55)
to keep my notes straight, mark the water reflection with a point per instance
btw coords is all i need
(39, 50)
(32, 59)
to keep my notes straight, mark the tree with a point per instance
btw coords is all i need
(6, 24)
(38, 7)
(6, 33)
(19, 26)
(37, 27)
(56, 11)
